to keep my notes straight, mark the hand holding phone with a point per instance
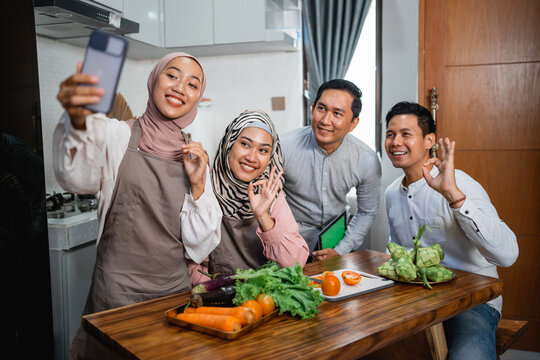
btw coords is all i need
(187, 138)
(105, 55)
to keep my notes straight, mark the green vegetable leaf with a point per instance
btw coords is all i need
(288, 286)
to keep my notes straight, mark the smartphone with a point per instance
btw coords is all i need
(187, 138)
(105, 55)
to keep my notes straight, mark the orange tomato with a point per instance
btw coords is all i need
(331, 285)
(326, 273)
(320, 277)
(256, 307)
(350, 277)
(267, 303)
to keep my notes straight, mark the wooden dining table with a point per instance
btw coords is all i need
(346, 329)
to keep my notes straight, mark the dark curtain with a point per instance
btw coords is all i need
(331, 29)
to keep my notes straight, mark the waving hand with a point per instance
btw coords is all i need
(261, 202)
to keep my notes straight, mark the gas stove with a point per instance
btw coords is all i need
(66, 205)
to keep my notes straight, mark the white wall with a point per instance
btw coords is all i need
(234, 83)
(399, 82)
(241, 82)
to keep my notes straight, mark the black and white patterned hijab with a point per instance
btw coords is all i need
(232, 193)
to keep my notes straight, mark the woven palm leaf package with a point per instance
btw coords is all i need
(416, 265)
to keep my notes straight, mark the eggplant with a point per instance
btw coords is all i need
(213, 284)
(218, 297)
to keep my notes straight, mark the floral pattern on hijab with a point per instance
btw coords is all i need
(232, 193)
(160, 135)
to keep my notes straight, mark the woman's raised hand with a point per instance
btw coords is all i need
(195, 166)
(261, 202)
(73, 96)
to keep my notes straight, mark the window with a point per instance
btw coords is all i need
(362, 72)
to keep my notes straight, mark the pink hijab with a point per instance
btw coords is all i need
(160, 135)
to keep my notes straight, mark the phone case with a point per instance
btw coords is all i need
(104, 58)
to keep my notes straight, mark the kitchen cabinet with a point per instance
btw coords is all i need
(72, 254)
(209, 27)
(212, 22)
(188, 23)
(148, 13)
(239, 21)
(225, 27)
(71, 273)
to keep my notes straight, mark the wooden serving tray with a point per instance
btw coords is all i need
(171, 317)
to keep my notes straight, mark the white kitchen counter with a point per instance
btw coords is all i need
(73, 231)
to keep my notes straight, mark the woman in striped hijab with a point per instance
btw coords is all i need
(257, 223)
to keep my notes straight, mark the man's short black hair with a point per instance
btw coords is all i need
(345, 85)
(425, 119)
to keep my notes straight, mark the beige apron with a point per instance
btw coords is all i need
(240, 247)
(140, 255)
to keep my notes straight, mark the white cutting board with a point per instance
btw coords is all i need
(365, 285)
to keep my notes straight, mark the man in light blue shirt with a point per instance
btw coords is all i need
(322, 163)
(432, 192)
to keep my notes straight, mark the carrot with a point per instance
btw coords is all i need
(190, 310)
(244, 314)
(218, 322)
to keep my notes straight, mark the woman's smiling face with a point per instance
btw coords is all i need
(178, 87)
(250, 154)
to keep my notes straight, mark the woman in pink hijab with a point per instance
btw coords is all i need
(156, 207)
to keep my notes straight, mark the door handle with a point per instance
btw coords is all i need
(434, 107)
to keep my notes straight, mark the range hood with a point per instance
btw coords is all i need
(68, 19)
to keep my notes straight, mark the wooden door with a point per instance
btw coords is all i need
(484, 59)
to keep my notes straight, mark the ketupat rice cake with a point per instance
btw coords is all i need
(426, 257)
(405, 269)
(387, 269)
(438, 273)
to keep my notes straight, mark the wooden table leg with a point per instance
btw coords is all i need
(437, 342)
(427, 344)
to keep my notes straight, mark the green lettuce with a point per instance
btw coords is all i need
(288, 286)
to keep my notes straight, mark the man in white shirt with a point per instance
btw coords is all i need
(432, 192)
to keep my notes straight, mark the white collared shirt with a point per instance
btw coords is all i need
(473, 237)
(317, 183)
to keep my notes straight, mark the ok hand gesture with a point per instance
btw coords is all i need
(445, 181)
(261, 202)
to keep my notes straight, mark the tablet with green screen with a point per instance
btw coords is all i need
(333, 232)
